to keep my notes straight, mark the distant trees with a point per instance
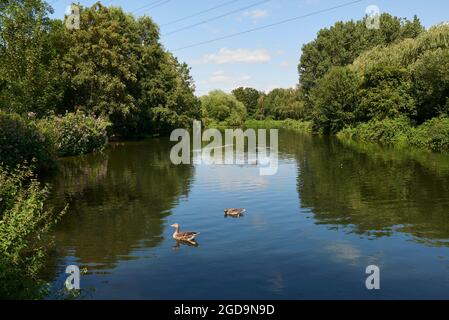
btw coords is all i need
(249, 97)
(219, 106)
(281, 104)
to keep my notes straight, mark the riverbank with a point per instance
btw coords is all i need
(431, 135)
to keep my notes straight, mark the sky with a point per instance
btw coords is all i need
(263, 59)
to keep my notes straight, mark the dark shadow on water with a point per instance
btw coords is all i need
(118, 201)
(373, 190)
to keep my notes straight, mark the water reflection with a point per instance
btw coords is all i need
(333, 208)
(118, 201)
(371, 190)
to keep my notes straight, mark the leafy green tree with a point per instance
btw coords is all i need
(342, 43)
(431, 84)
(335, 100)
(102, 61)
(249, 97)
(119, 70)
(282, 104)
(219, 106)
(386, 92)
(30, 53)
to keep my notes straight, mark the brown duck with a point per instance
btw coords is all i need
(183, 236)
(234, 212)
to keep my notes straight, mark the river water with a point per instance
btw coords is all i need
(309, 232)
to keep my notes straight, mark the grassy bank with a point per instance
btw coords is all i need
(432, 134)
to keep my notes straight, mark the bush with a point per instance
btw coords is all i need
(23, 223)
(21, 142)
(75, 133)
(387, 131)
(433, 134)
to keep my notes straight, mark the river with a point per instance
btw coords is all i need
(309, 232)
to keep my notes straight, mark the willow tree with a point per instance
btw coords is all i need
(342, 43)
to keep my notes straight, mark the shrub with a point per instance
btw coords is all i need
(387, 131)
(21, 142)
(75, 133)
(433, 134)
(23, 223)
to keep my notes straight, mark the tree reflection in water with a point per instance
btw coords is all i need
(372, 190)
(118, 200)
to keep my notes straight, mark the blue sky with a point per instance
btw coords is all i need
(263, 59)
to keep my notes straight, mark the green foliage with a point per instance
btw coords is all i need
(386, 92)
(387, 131)
(31, 77)
(23, 223)
(249, 97)
(431, 83)
(75, 133)
(433, 134)
(336, 100)
(113, 67)
(172, 92)
(281, 104)
(219, 106)
(386, 89)
(119, 70)
(296, 125)
(21, 142)
(342, 43)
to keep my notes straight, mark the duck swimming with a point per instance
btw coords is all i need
(183, 236)
(234, 212)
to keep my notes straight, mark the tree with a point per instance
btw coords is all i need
(249, 97)
(431, 84)
(119, 70)
(282, 104)
(102, 61)
(222, 107)
(341, 44)
(335, 100)
(30, 69)
(386, 93)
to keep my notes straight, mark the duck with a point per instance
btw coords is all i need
(183, 236)
(234, 212)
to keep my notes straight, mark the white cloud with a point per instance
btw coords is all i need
(221, 77)
(226, 56)
(256, 14)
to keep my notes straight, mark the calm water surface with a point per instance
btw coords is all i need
(310, 230)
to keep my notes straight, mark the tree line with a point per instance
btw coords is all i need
(389, 84)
